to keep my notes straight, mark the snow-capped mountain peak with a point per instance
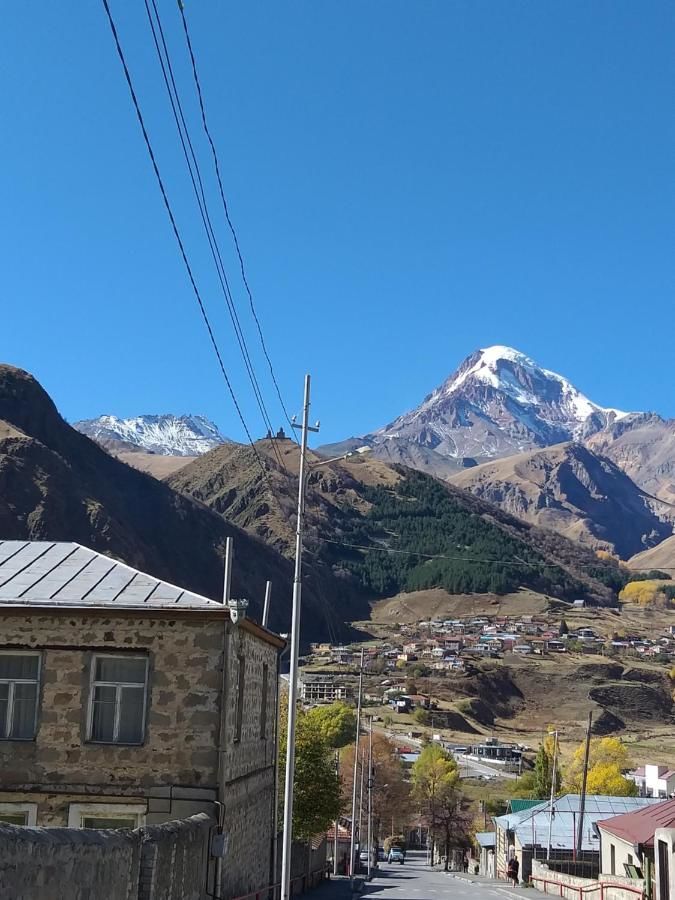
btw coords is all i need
(499, 401)
(521, 378)
(166, 434)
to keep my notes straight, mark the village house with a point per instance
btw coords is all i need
(627, 841)
(654, 781)
(128, 701)
(525, 833)
(322, 688)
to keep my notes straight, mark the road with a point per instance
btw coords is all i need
(416, 881)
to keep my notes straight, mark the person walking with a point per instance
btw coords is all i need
(512, 870)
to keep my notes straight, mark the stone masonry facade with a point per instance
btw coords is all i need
(209, 732)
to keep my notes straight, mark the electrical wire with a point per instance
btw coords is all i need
(484, 559)
(199, 192)
(177, 235)
(227, 211)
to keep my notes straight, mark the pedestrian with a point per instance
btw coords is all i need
(465, 862)
(512, 870)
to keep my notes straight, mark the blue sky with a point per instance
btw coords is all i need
(410, 181)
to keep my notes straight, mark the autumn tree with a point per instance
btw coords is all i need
(337, 723)
(435, 778)
(317, 799)
(607, 760)
(391, 791)
(644, 593)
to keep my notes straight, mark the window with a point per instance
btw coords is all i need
(612, 859)
(263, 704)
(19, 677)
(240, 698)
(18, 813)
(117, 699)
(106, 815)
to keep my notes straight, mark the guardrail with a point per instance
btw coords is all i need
(272, 891)
(580, 890)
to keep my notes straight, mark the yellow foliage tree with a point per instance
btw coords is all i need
(607, 759)
(644, 593)
(606, 778)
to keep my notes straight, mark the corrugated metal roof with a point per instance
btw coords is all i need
(48, 573)
(638, 827)
(531, 826)
(518, 805)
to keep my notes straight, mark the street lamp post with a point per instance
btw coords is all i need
(553, 734)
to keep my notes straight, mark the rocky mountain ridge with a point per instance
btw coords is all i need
(165, 434)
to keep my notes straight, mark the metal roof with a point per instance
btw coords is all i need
(486, 838)
(63, 573)
(531, 826)
(638, 827)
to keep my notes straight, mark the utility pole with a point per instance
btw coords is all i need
(363, 769)
(553, 786)
(295, 642)
(582, 806)
(337, 821)
(356, 762)
(227, 588)
(370, 798)
(266, 607)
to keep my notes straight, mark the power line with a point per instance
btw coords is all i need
(199, 192)
(176, 232)
(484, 559)
(226, 208)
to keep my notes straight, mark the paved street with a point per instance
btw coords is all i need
(416, 881)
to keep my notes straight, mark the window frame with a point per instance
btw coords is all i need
(239, 711)
(118, 685)
(8, 651)
(79, 811)
(13, 809)
(263, 705)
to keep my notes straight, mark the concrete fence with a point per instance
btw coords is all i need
(159, 862)
(573, 887)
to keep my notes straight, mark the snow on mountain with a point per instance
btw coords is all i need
(498, 402)
(167, 435)
(512, 373)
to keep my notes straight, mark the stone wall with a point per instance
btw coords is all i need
(183, 714)
(248, 765)
(190, 760)
(164, 862)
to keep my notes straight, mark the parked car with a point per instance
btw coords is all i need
(396, 855)
(381, 855)
(363, 856)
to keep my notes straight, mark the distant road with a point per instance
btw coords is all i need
(468, 768)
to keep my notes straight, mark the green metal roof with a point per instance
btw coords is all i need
(516, 806)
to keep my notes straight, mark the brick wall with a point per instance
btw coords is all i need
(162, 862)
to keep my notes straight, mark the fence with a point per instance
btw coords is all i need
(571, 887)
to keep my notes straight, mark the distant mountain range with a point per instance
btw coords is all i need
(488, 428)
(58, 484)
(502, 427)
(166, 435)
(498, 402)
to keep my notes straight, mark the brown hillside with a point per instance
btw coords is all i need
(575, 492)
(57, 484)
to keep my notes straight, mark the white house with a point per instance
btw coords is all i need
(654, 781)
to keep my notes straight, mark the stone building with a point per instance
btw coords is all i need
(127, 701)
